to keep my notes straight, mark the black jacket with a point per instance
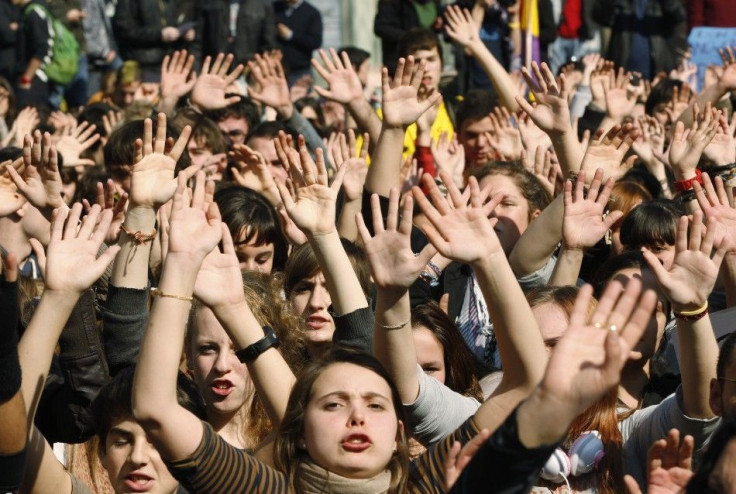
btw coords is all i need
(665, 24)
(138, 24)
(306, 24)
(9, 13)
(255, 29)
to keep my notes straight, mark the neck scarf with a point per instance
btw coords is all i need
(317, 480)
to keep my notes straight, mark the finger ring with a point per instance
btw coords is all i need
(613, 328)
(598, 325)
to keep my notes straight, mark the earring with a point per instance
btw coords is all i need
(302, 444)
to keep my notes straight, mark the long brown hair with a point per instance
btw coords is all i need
(288, 457)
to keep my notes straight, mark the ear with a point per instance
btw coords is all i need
(715, 399)
(535, 213)
(399, 435)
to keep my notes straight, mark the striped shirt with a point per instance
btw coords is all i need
(219, 468)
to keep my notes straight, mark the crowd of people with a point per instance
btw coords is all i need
(219, 276)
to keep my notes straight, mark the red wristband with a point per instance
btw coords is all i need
(25, 80)
(683, 185)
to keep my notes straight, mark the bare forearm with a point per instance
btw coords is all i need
(130, 269)
(539, 241)
(699, 354)
(346, 226)
(36, 347)
(385, 170)
(519, 339)
(271, 374)
(711, 94)
(728, 275)
(501, 80)
(569, 152)
(345, 290)
(366, 118)
(33, 65)
(395, 347)
(567, 268)
(154, 392)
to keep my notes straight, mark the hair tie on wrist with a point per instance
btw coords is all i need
(158, 293)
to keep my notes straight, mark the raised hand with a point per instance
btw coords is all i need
(693, 274)
(449, 156)
(342, 81)
(669, 466)
(106, 201)
(650, 146)
(208, 92)
(587, 361)
(460, 227)
(152, 181)
(607, 151)
(273, 89)
(72, 264)
(722, 149)
(584, 224)
(75, 141)
(505, 138)
(111, 120)
(10, 199)
(727, 79)
(310, 201)
(687, 146)
(401, 103)
(459, 456)
(460, 26)
(551, 114)
(531, 135)
(620, 102)
(177, 77)
(345, 154)
(718, 206)
(195, 226)
(393, 264)
(542, 166)
(253, 171)
(40, 181)
(220, 281)
(24, 123)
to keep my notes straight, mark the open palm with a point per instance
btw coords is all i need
(393, 264)
(693, 274)
(343, 82)
(219, 280)
(583, 224)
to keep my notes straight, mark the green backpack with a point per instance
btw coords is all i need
(65, 50)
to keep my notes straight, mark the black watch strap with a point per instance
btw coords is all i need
(252, 352)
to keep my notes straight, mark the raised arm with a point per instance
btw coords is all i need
(716, 202)
(72, 266)
(219, 286)
(583, 226)
(401, 107)
(344, 87)
(152, 183)
(461, 230)
(466, 32)
(311, 206)
(687, 284)
(208, 93)
(345, 154)
(195, 229)
(585, 364)
(394, 268)
(540, 240)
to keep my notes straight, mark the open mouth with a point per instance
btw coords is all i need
(138, 482)
(222, 387)
(356, 443)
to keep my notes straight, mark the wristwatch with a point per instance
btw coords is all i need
(252, 352)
